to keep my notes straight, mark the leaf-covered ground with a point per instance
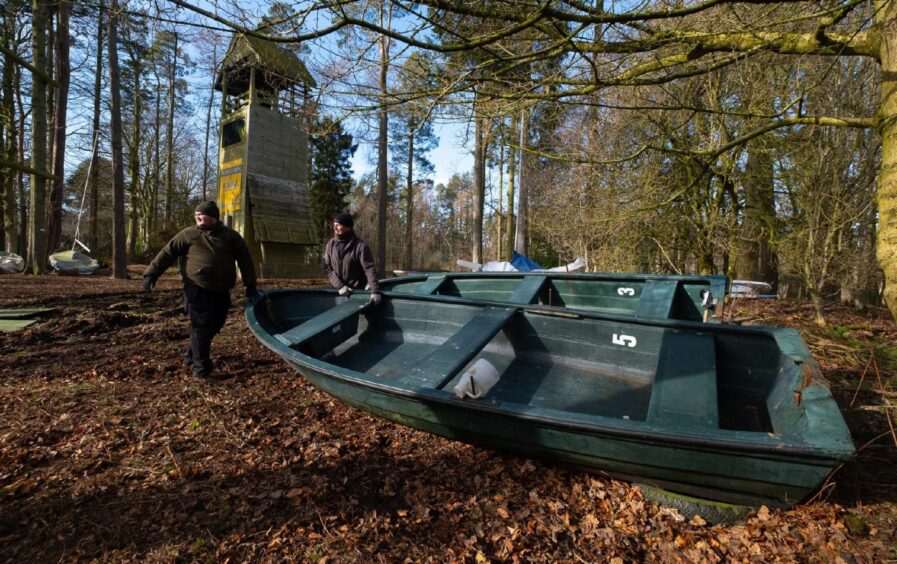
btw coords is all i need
(110, 450)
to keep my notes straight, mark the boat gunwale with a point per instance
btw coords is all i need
(790, 444)
(715, 282)
(609, 276)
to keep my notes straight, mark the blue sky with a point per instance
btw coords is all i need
(449, 158)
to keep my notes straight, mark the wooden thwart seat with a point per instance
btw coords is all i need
(528, 290)
(445, 362)
(684, 392)
(440, 366)
(656, 301)
(338, 321)
(431, 285)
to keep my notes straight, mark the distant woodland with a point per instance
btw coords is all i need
(754, 139)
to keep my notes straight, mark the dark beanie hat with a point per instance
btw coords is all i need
(345, 220)
(209, 208)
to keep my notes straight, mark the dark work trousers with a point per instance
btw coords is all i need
(207, 310)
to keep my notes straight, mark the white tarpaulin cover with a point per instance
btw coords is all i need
(11, 263)
(505, 266)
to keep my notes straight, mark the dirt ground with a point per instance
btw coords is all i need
(110, 450)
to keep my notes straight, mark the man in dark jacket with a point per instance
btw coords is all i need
(206, 254)
(348, 262)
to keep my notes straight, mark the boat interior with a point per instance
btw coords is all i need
(690, 376)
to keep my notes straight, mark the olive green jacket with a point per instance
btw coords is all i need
(207, 258)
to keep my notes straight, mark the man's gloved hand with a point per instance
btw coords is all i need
(375, 299)
(252, 293)
(345, 291)
(149, 282)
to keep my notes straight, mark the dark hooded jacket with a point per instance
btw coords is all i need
(207, 258)
(353, 266)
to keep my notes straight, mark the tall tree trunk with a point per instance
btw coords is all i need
(382, 153)
(499, 212)
(51, 92)
(755, 260)
(10, 146)
(205, 152)
(520, 244)
(22, 236)
(119, 250)
(409, 197)
(94, 164)
(886, 196)
(169, 168)
(134, 164)
(5, 116)
(157, 154)
(479, 189)
(37, 233)
(511, 224)
(54, 228)
(818, 307)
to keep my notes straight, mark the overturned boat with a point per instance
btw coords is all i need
(650, 296)
(74, 262)
(729, 413)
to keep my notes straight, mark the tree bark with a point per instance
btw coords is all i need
(22, 236)
(886, 197)
(37, 233)
(755, 259)
(54, 228)
(499, 210)
(94, 165)
(511, 224)
(818, 307)
(5, 173)
(10, 145)
(169, 168)
(382, 152)
(479, 189)
(134, 162)
(157, 156)
(205, 152)
(409, 197)
(522, 205)
(119, 250)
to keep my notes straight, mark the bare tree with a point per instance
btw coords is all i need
(95, 129)
(119, 248)
(9, 130)
(37, 234)
(385, 20)
(63, 66)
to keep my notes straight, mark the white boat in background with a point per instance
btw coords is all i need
(751, 289)
(74, 261)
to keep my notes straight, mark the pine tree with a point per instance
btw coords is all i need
(331, 172)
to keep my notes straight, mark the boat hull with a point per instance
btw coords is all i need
(572, 412)
(682, 297)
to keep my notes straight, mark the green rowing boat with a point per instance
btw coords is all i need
(650, 296)
(729, 413)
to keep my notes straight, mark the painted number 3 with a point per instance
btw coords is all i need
(626, 340)
(625, 291)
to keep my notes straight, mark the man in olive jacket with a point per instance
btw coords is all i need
(348, 261)
(206, 254)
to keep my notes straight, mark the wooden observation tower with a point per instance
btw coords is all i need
(263, 156)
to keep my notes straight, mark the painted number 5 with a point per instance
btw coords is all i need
(626, 340)
(626, 291)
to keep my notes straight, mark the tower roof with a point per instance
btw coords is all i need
(280, 66)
